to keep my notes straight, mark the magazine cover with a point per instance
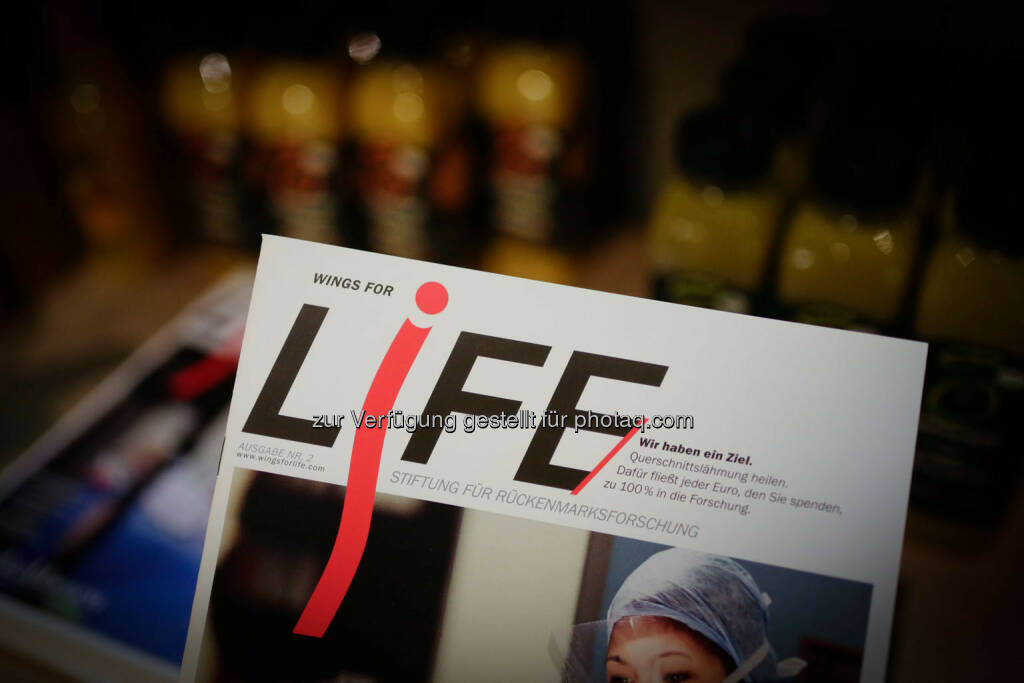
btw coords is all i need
(436, 474)
(102, 521)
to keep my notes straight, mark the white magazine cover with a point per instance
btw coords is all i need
(438, 474)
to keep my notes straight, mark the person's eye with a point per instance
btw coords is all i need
(677, 677)
(618, 679)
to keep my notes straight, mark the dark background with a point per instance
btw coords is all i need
(933, 84)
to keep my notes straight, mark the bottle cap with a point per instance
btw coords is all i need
(986, 202)
(725, 147)
(780, 71)
(867, 171)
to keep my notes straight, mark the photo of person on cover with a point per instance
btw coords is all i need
(451, 594)
(684, 615)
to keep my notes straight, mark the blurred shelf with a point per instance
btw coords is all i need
(85, 325)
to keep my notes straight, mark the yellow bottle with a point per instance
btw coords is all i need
(973, 293)
(200, 103)
(715, 220)
(98, 131)
(971, 310)
(528, 96)
(848, 252)
(412, 166)
(294, 118)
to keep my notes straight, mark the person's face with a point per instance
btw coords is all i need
(656, 649)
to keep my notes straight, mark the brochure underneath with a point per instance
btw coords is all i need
(102, 519)
(432, 473)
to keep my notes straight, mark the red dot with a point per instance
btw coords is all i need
(431, 297)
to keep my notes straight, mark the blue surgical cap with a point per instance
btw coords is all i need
(710, 594)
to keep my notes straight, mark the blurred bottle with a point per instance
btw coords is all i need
(293, 115)
(41, 241)
(200, 103)
(528, 96)
(780, 76)
(714, 223)
(101, 140)
(848, 252)
(971, 298)
(414, 165)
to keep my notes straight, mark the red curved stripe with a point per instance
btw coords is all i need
(362, 484)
